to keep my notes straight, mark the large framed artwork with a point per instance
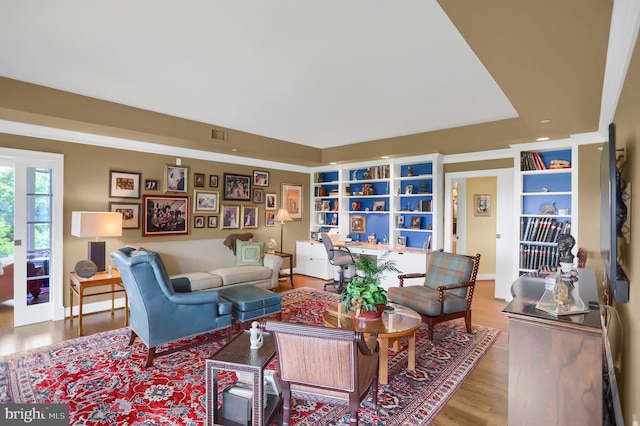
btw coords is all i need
(124, 184)
(205, 201)
(292, 199)
(130, 214)
(175, 178)
(237, 187)
(165, 215)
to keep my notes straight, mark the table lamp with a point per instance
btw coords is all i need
(282, 216)
(96, 224)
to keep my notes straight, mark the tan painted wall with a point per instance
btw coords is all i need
(481, 230)
(86, 187)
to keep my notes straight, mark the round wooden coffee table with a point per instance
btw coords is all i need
(393, 326)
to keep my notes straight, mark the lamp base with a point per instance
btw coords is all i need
(97, 252)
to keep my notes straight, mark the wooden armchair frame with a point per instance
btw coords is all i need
(431, 321)
(307, 358)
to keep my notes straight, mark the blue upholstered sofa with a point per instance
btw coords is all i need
(159, 314)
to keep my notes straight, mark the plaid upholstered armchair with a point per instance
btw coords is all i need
(327, 365)
(446, 292)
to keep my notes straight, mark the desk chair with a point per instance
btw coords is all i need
(338, 256)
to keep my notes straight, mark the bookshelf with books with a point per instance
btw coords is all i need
(415, 203)
(547, 196)
(326, 199)
(366, 191)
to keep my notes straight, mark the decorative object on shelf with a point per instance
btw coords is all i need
(326, 205)
(565, 245)
(400, 222)
(416, 222)
(367, 189)
(409, 171)
(547, 208)
(354, 175)
(336, 206)
(282, 216)
(424, 188)
(372, 238)
(366, 175)
(544, 189)
(427, 244)
(271, 245)
(379, 206)
(402, 241)
(256, 339)
(364, 294)
(334, 220)
(560, 164)
(347, 190)
(358, 225)
(408, 189)
(96, 224)
(482, 204)
(322, 191)
(85, 269)
(355, 206)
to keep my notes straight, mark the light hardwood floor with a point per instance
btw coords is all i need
(481, 400)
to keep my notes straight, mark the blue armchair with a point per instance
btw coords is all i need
(157, 313)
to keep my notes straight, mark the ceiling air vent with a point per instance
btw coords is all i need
(219, 135)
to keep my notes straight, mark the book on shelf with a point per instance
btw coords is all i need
(542, 230)
(531, 161)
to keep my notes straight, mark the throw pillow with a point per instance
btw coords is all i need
(249, 254)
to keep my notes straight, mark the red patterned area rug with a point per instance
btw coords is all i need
(104, 382)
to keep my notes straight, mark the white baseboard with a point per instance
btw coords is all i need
(486, 277)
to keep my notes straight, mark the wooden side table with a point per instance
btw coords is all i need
(78, 286)
(236, 356)
(286, 256)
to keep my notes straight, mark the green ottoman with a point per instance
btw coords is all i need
(250, 302)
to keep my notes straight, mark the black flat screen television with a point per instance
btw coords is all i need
(612, 217)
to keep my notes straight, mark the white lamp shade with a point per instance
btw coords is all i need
(283, 216)
(96, 224)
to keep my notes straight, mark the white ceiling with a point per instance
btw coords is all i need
(290, 70)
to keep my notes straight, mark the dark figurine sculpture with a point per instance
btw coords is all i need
(565, 244)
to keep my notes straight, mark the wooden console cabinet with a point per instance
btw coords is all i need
(555, 363)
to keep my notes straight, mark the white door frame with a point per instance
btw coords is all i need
(504, 220)
(54, 310)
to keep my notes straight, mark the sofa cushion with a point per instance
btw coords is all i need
(195, 281)
(243, 274)
(249, 254)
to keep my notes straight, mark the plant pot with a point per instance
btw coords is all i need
(371, 315)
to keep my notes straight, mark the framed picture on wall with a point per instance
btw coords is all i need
(482, 205)
(124, 184)
(260, 178)
(258, 196)
(269, 219)
(130, 214)
(198, 221)
(151, 185)
(270, 201)
(292, 199)
(175, 178)
(213, 222)
(249, 217)
(198, 180)
(237, 187)
(358, 225)
(205, 201)
(213, 181)
(165, 215)
(230, 216)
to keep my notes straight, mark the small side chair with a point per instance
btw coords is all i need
(446, 292)
(327, 365)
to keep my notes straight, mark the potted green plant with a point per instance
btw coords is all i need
(364, 294)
